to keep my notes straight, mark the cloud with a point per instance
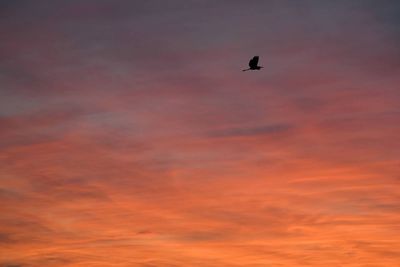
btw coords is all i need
(252, 131)
(5, 238)
(129, 135)
(12, 265)
(37, 127)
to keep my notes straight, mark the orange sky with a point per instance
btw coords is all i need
(130, 137)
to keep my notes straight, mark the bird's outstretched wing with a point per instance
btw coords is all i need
(253, 62)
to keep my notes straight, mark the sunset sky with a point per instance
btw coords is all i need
(129, 136)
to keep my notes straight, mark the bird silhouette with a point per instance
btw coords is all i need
(253, 64)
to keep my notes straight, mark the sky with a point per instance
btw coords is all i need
(129, 136)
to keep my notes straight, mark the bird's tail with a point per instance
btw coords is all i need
(246, 70)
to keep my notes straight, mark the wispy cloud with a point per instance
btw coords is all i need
(253, 131)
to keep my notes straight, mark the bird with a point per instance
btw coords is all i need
(253, 64)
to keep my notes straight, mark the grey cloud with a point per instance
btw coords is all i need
(5, 238)
(253, 131)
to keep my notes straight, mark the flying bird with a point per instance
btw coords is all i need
(253, 64)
